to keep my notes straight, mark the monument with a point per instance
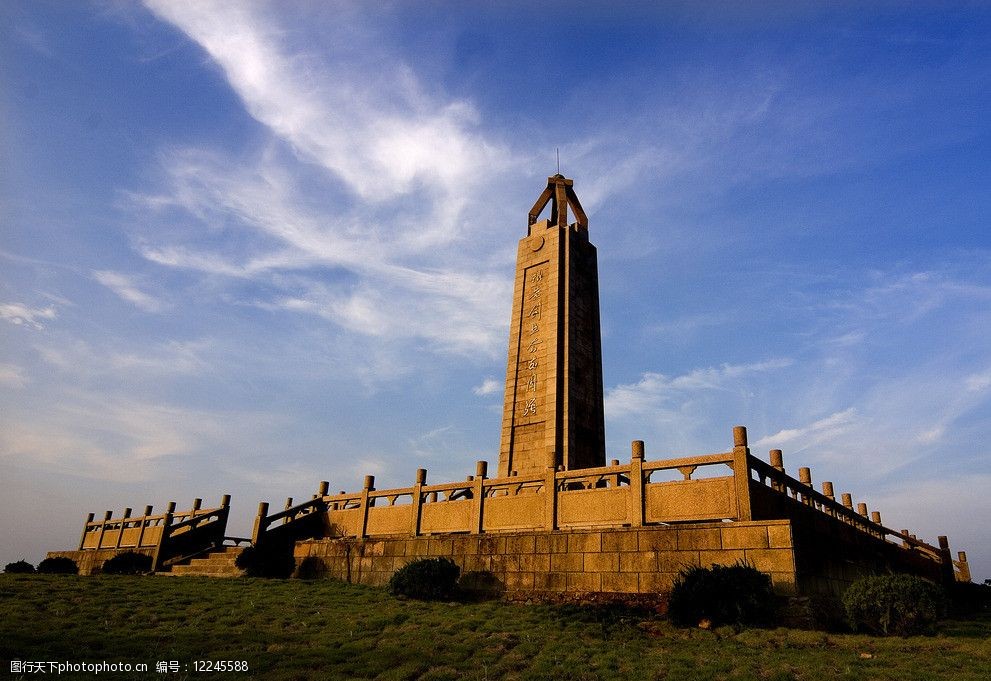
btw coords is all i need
(552, 413)
(558, 517)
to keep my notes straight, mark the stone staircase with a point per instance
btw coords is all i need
(217, 563)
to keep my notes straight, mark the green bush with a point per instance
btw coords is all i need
(261, 562)
(968, 598)
(426, 579)
(311, 567)
(735, 594)
(893, 604)
(20, 567)
(127, 563)
(59, 565)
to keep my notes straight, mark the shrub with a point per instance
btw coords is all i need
(893, 604)
(967, 598)
(20, 567)
(59, 565)
(311, 567)
(735, 594)
(261, 562)
(426, 579)
(127, 563)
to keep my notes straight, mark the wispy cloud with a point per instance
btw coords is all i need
(376, 128)
(826, 429)
(489, 386)
(656, 391)
(12, 376)
(125, 287)
(23, 315)
(102, 437)
(80, 359)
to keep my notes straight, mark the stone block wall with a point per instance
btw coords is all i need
(617, 560)
(91, 562)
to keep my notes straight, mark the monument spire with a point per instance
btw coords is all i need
(552, 413)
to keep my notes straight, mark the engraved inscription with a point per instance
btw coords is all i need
(530, 391)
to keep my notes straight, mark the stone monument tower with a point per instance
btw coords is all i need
(553, 405)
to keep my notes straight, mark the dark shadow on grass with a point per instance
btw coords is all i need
(975, 626)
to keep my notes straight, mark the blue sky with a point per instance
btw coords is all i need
(246, 247)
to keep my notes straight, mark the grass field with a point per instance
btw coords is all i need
(328, 630)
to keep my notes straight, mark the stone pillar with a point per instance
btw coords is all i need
(635, 509)
(777, 463)
(366, 501)
(144, 524)
(103, 528)
(963, 567)
(478, 496)
(415, 513)
(82, 539)
(550, 490)
(948, 573)
(805, 477)
(741, 473)
(120, 530)
(261, 523)
(827, 490)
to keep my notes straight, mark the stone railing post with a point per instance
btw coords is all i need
(778, 464)
(103, 528)
(741, 473)
(82, 539)
(120, 531)
(478, 497)
(415, 512)
(261, 523)
(876, 519)
(144, 524)
(634, 508)
(946, 560)
(805, 477)
(614, 479)
(550, 489)
(368, 487)
(827, 491)
(156, 558)
(963, 566)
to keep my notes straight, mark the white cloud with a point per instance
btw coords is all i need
(22, 315)
(81, 359)
(821, 430)
(126, 288)
(654, 391)
(489, 386)
(371, 124)
(12, 376)
(979, 382)
(122, 440)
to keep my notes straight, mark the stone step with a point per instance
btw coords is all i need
(219, 563)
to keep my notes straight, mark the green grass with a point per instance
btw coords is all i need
(329, 630)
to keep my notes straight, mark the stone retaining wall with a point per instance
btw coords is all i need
(91, 562)
(620, 560)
